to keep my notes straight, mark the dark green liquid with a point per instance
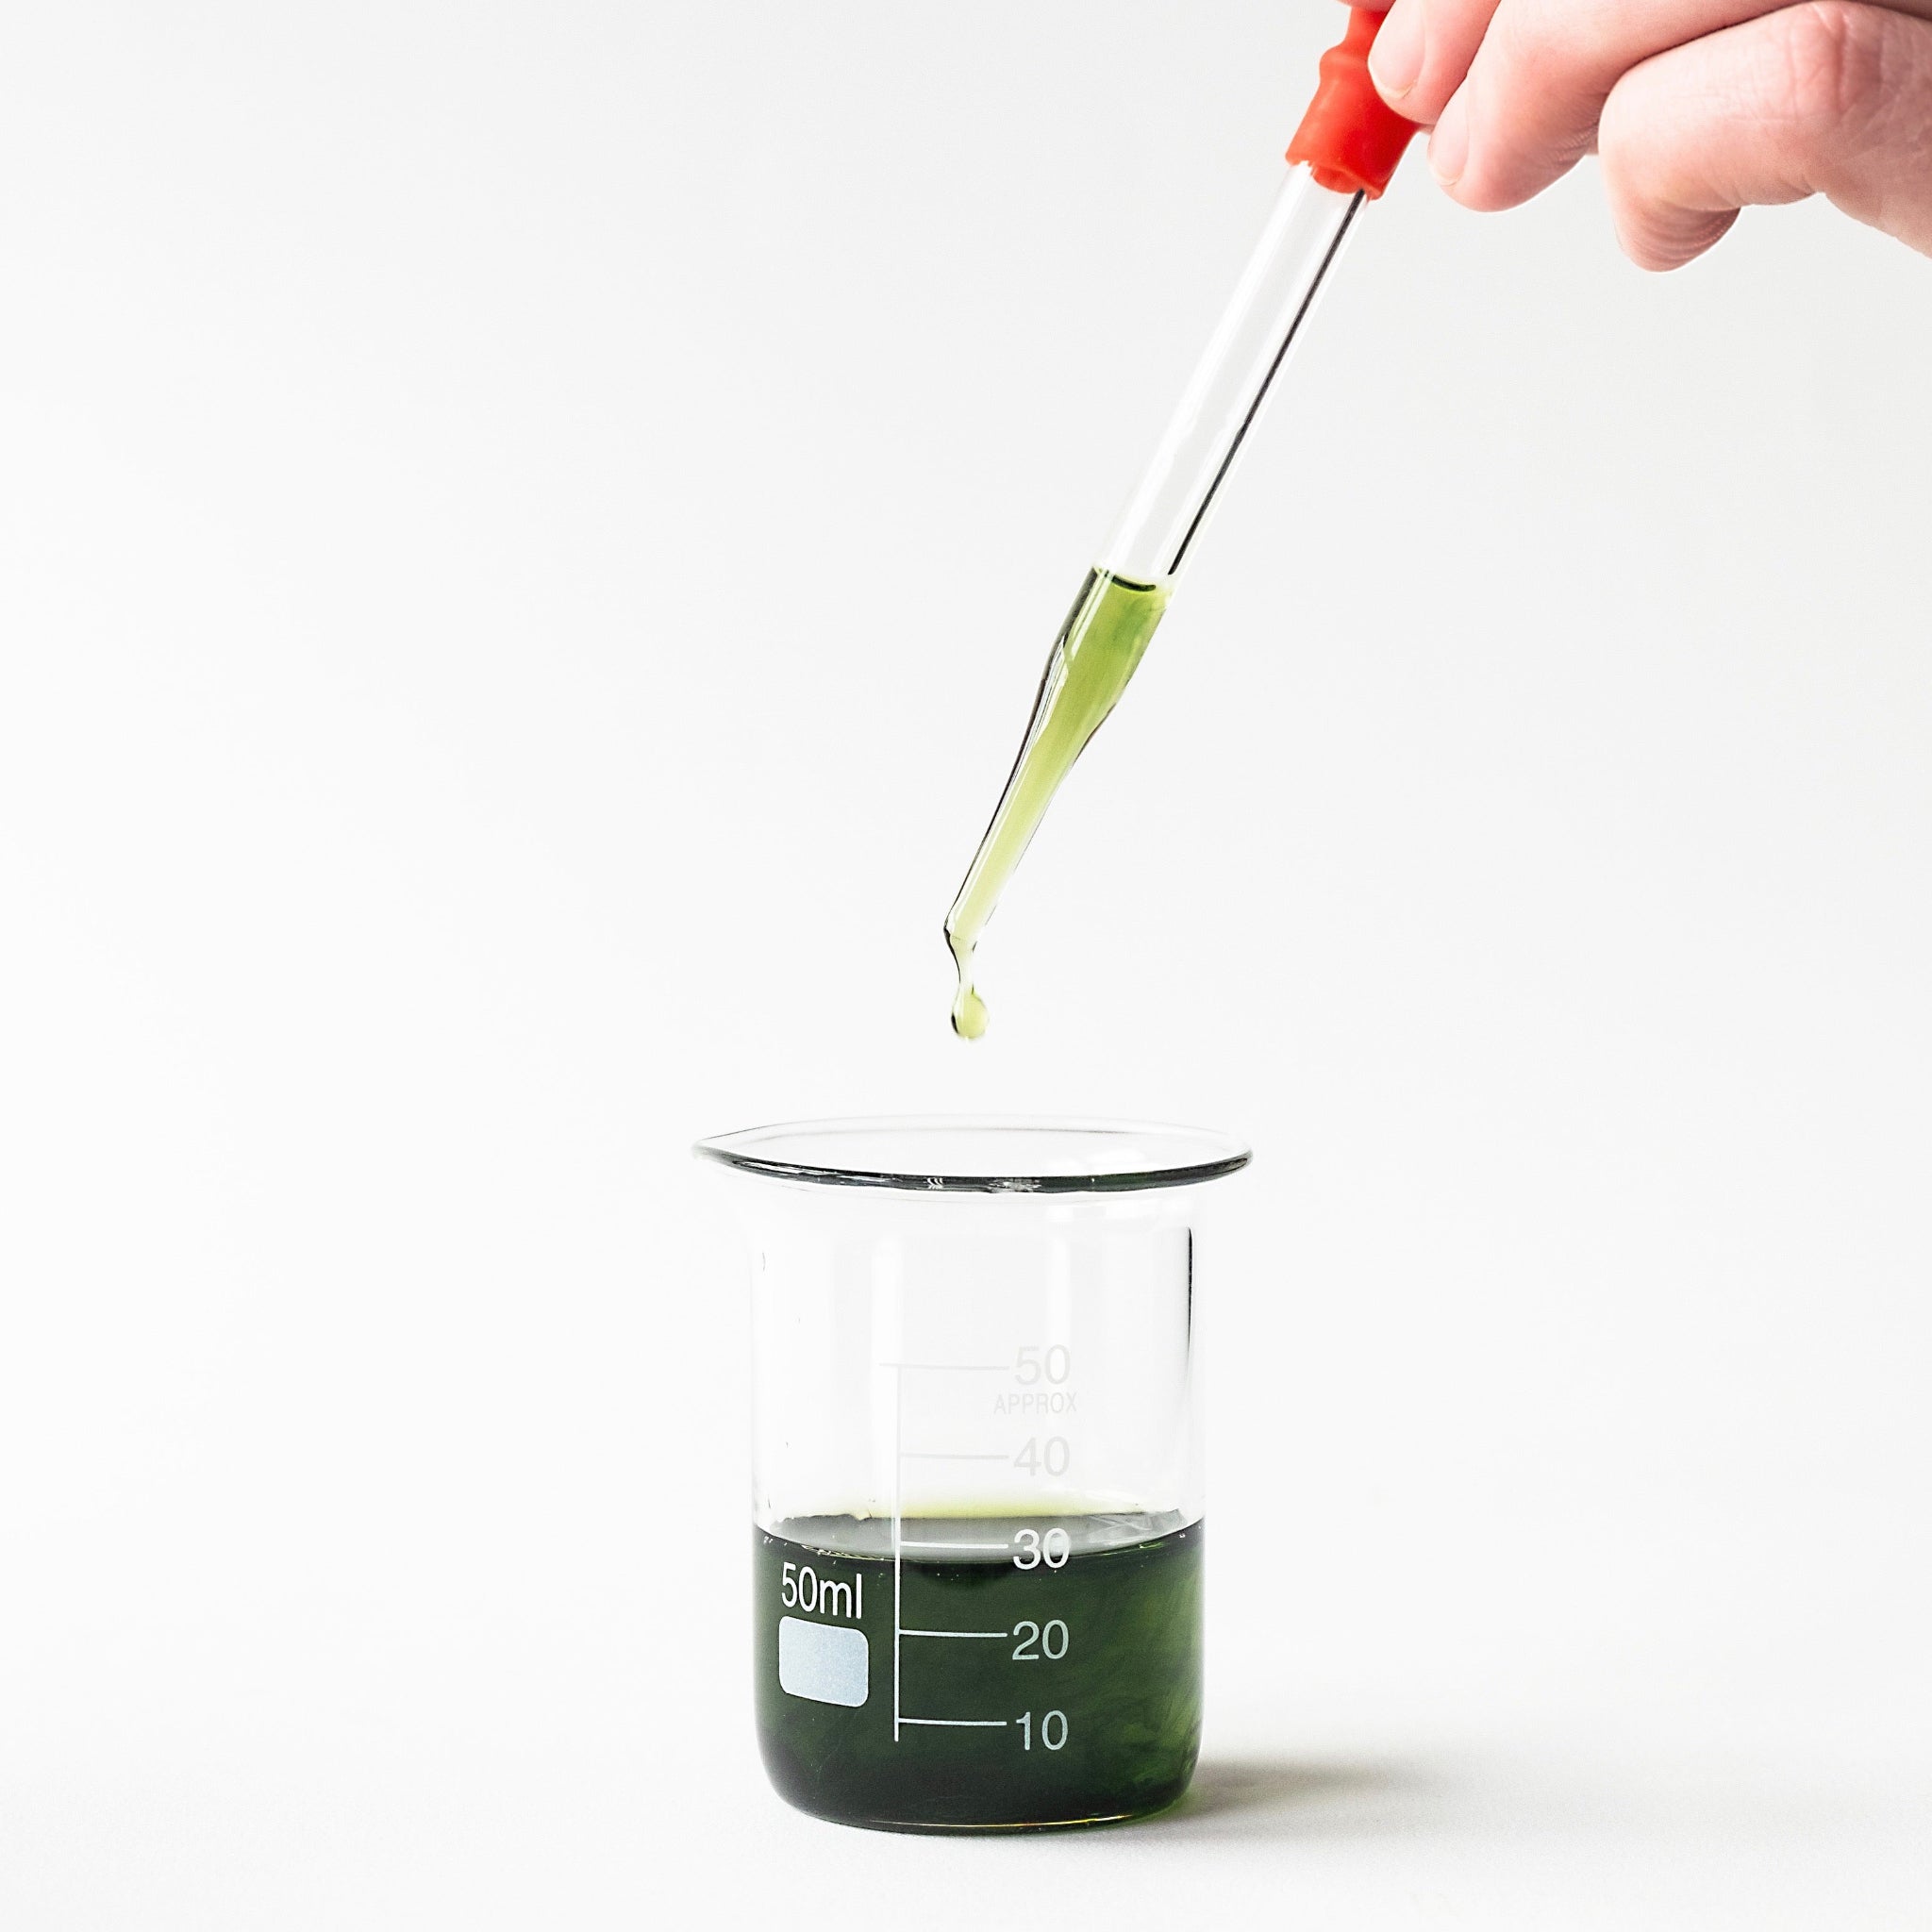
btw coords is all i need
(1077, 1700)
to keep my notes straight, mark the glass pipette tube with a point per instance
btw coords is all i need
(1341, 157)
(1256, 334)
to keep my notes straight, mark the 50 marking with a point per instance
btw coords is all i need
(1055, 1366)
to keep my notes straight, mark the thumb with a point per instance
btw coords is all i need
(1827, 98)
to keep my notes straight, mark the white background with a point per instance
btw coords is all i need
(526, 537)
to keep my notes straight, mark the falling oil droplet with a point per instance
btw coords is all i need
(968, 1014)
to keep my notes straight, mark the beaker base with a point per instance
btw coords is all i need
(926, 1828)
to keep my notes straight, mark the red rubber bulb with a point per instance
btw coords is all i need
(1351, 138)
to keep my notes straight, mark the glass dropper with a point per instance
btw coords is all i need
(1342, 158)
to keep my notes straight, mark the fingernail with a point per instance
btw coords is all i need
(1395, 61)
(1449, 144)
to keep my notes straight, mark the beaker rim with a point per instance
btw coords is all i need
(962, 1154)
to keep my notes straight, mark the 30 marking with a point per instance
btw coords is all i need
(1032, 1549)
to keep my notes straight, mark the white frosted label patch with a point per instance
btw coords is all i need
(827, 1662)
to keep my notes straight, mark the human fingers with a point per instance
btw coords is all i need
(1829, 97)
(1535, 91)
(1423, 51)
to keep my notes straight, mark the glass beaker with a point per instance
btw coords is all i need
(976, 1465)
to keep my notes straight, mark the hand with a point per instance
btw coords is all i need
(1698, 108)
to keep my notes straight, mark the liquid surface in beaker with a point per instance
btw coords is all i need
(985, 1673)
(1096, 652)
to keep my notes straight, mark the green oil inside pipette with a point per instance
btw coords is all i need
(1096, 652)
